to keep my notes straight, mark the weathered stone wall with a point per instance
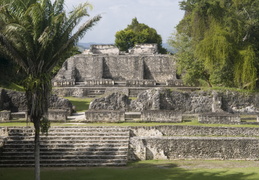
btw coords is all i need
(16, 101)
(196, 102)
(191, 102)
(161, 116)
(234, 148)
(104, 116)
(57, 115)
(122, 67)
(5, 115)
(219, 118)
(144, 49)
(114, 101)
(3, 136)
(80, 68)
(104, 49)
(179, 130)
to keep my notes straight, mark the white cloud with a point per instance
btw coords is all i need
(163, 15)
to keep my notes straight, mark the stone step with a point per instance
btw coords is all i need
(97, 148)
(70, 141)
(71, 153)
(60, 161)
(61, 147)
(77, 164)
(76, 146)
(78, 128)
(67, 157)
(71, 132)
(62, 138)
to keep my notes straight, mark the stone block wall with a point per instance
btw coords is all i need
(140, 83)
(144, 49)
(122, 67)
(161, 116)
(181, 130)
(231, 148)
(105, 116)
(159, 68)
(64, 83)
(57, 115)
(104, 49)
(5, 115)
(219, 118)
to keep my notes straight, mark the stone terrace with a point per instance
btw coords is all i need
(115, 146)
(71, 146)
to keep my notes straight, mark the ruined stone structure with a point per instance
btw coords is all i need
(166, 105)
(105, 65)
(115, 146)
(195, 102)
(16, 103)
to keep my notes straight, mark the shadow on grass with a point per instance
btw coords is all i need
(138, 172)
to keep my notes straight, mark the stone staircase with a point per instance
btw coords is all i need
(67, 146)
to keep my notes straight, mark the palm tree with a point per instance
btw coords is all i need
(36, 34)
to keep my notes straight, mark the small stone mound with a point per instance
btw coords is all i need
(113, 101)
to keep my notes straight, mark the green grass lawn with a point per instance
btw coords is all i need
(126, 124)
(81, 104)
(146, 170)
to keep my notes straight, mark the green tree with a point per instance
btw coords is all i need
(224, 39)
(36, 34)
(137, 33)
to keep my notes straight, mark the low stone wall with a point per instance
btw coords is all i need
(146, 148)
(63, 83)
(140, 83)
(5, 115)
(3, 135)
(180, 130)
(3, 131)
(19, 115)
(78, 91)
(99, 82)
(161, 116)
(105, 116)
(174, 83)
(57, 115)
(219, 118)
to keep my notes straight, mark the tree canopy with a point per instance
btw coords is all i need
(37, 34)
(137, 33)
(222, 42)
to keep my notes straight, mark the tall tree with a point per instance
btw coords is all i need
(36, 34)
(137, 33)
(224, 39)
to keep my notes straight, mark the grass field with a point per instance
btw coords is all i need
(81, 104)
(146, 170)
(127, 124)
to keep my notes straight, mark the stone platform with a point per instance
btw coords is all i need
(115, 146)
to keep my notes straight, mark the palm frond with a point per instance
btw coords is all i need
(12, 52)
(74, 38)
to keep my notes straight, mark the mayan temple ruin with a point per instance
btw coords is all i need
(105, 65)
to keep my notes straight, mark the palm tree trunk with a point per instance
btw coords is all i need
(37, 150)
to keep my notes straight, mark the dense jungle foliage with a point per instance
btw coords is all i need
(217, 43)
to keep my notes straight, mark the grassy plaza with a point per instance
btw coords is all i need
(146, 170)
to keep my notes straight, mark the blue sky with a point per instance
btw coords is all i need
(162, 15)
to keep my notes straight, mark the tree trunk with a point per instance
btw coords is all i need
(37, 93)
(37, 150)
